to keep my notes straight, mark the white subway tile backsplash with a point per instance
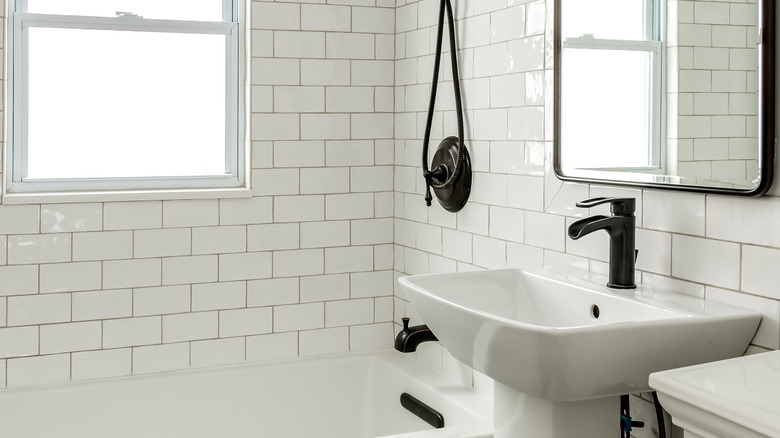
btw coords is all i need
(132, 332)
(324, 288)
(349, 153)
(706, 261)
(324, 341)
(299, 317)
(18, 280)
(131, 273)
(244, 266)
(349, 45)
(68, 277)
(293, 44)
(743, 220)
(324, 234)
(63, 218)
(256, 210)
(101, 364)
(277, 346)
(370, 336)
(39, 248)
(324, 72)
(507, 224)
(674, 211)
(298, 263)
(270, 15)
(348, 206)
(428, 238)
(190, 213)
(507, 24)
(272, 292)
(273, 237)
(190, 326)
(349, 259)
(489, 253)
(299, 208)
(38, 370)
(102, 245)
(38, 309)
(214, 296)
(325, 17)
(64, 338)
(161, 300)
(759, 271)
(768, 334)
(19, 219)
(18, 342)
(217, 352)
(305, 99)
(299, 153)
(242, 322)
(545, 230)
(349, 312)
(161, 358)
(324, 180)
(216, 240)
(474, 218)
(372, 231)
(371, 284)
(102, 304)
(162, 242)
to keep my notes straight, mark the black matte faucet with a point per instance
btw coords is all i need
(621, 227)
(409, 338)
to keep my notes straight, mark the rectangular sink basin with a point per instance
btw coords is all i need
(559, 335)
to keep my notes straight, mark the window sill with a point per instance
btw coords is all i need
(124, 195)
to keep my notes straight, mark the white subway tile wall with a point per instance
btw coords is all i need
(304, 267)
(710, 246)
(307, 266)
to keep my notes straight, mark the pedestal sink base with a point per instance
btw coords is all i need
(517, 414)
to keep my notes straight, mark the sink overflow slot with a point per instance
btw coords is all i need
(595, 312)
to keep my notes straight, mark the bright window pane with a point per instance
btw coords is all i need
(195, 10)
(125, 104)
(604, 19)
(605, 106)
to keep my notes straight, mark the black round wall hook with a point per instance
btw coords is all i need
(452, 195)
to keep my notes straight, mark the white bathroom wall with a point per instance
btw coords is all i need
(304, 267)
(715, 247)
(339, 92)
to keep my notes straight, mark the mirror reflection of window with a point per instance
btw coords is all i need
(611, 86)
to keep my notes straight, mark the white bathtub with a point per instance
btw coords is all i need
(345, 396)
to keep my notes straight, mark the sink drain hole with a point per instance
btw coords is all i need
(595, 312)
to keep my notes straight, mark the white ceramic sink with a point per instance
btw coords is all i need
(566, 336)
(731, 398)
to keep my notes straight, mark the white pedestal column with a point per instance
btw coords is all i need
(519, 415)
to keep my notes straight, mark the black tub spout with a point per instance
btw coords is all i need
(409, 338)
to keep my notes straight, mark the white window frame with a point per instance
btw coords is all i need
(654, 45)
(235, 151)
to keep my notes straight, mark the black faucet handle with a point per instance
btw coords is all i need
(622, 206)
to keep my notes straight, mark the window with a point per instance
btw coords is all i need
(611, 85)
(125, 94)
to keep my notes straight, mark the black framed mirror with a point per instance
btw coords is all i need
(666, 94)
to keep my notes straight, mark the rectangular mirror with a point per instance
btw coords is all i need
(666, 93)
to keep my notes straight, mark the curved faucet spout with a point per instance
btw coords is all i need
(583, 227)
(621, 229)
